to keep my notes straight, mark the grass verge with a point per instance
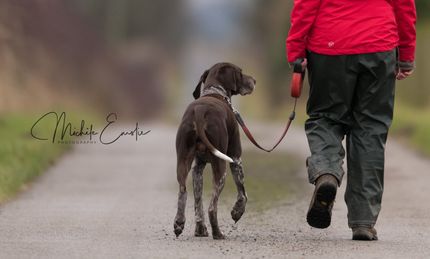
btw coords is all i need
(413, 126)
(22, 158)
(270, 179)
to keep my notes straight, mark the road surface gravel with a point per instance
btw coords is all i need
(119, 201)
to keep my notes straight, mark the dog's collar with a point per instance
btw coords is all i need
(218, 90)
(215, 90)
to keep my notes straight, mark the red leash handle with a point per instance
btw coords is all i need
(299, 68)
(298, 77)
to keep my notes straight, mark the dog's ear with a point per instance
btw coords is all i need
(196, 92)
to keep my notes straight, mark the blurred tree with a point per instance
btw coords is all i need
(423, 9)
(50, 57)
(162, 21)
(55, 51)
(148, 36)
(271, 23)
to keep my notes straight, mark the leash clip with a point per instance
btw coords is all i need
(235, 112)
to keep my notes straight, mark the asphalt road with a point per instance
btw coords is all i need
(119, 201)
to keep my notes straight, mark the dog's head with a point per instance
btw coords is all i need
(230, 77)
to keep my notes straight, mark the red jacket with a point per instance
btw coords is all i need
(343, 27)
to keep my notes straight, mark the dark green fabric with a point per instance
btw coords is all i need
(352, 96)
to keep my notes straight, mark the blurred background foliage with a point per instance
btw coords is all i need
(142, 58)
(423, 9)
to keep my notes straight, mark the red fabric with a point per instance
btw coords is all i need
(343, 27)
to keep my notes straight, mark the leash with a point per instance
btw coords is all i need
(251, 137)
(296, 89)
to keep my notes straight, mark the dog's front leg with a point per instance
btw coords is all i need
(238, 176)
(198, 168)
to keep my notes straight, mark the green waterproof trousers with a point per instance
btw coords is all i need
(352, 96)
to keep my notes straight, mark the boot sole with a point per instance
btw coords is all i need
(364, 236)
(319, 214)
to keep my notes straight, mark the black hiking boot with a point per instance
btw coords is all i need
(319, 213)
(365, 233)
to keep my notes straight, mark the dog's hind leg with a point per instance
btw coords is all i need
(238, 176)
(198, 168)
(219, 174)
(183, 168)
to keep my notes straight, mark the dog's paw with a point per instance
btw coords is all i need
(236, 215)
(238, 210)
(178, 227)
(201, 230)
(218, 235)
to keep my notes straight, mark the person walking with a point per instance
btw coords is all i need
(354, 51)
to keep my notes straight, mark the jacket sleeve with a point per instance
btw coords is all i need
(302, 18)
(406, 16)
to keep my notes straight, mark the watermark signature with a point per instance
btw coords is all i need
(64, 132)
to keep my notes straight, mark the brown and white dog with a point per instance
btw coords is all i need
(209, 133)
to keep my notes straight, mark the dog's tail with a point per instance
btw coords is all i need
(200, 128)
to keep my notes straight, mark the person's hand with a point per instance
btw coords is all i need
(404, 69)
(304, 64)
(402, 74)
